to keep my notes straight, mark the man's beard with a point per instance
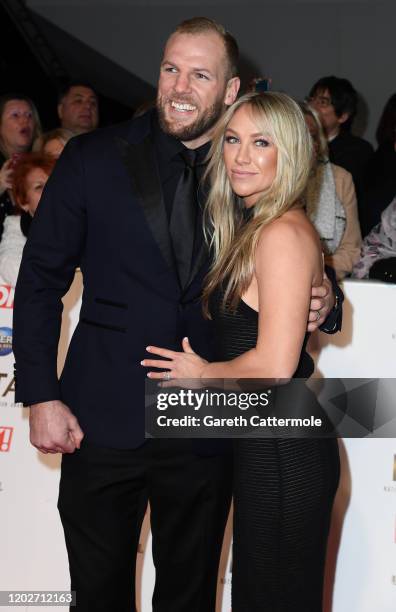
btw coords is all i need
(194, 130)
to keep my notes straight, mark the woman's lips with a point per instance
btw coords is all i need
(242, 173)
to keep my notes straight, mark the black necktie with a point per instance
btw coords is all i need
(182, 222)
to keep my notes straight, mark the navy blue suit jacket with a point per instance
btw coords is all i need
(102, 210)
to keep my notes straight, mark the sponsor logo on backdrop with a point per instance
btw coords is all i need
(5, 438)
(6, 296)
(7, 384)
(394, 467)
(7, 390)
(5, 341)
(394, 580)
(1, 487)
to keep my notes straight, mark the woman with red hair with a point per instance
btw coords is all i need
(29, 178)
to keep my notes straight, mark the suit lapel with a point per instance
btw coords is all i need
(141, 164)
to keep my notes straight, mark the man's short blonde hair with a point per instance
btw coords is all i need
(203, 25)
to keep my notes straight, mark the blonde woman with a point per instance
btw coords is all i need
(267, 258)
(19, 127)
(53, 142)
(331, 203)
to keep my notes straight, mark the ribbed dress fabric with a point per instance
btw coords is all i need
(284, 490)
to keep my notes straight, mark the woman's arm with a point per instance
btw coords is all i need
(288, 262)
(6, 171)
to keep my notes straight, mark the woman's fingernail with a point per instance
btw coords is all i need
(142, 362)
(148, 348)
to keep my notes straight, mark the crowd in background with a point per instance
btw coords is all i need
(351, 191)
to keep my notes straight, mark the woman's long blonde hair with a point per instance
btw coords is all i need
(233, 241)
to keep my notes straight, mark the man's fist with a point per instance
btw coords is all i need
(53, 428)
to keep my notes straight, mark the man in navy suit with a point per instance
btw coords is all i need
(108, 209)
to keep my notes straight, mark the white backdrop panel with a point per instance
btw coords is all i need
(33, 554)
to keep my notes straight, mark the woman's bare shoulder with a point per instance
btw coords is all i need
(292, 228)
(292, 245)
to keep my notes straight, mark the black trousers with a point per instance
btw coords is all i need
(102, 499)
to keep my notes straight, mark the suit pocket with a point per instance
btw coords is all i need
(107, 302)
(115, 328)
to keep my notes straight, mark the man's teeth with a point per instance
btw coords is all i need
(183, 107)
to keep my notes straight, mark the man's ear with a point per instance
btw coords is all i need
(344, 117)
(233, 86)
(60, 110)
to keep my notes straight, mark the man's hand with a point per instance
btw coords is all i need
(322, 301)
(53, 428)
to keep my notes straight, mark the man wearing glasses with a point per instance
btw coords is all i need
(335, 100)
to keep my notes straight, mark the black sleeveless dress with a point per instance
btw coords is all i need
(283, 495)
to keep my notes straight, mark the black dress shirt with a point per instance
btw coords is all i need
(170, 168)
(171, 164)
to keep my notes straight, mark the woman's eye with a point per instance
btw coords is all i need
(231, 139)
(261, 142)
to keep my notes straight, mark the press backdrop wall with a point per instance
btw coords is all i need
(362, 550)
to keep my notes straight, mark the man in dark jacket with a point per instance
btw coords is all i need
(335, 100)
(109, 207)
